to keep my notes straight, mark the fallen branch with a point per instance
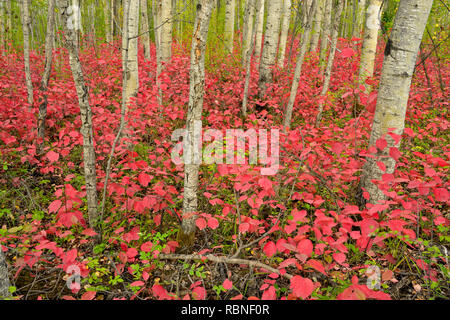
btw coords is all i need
(251, 263)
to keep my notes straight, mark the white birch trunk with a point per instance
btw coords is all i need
(49, 43)
(369, 47)
(145, 32)
(317, 26)
(157, 8)
(260, 10)
(4, 277)
(108, 21)
(166, 30)
(326, 27)
(256, 3)
(330, 62)
(230, 12)
(130, 38)
(269, 52)
(86, 114)
(247, 30)
(298, 67)
(398, 68)
(186, 236)
(26, 28)
(284, 32)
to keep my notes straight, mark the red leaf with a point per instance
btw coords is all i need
(394, 153)
(52, 156)
(441, 194)
(315, 264)
(137, 284)
(199, 293)
(227, 284)
(89, 232)
(381, 165)
(201, 223)
(270, 249)
(301, 287)
(144, 179)
(347, 52)
(339, 257)
(381, 144)
(213, 223)
(305, 247)
(269, 294)
(244, 227)
(147, 246)
(131, 253)
(54, 206)
(89, 295)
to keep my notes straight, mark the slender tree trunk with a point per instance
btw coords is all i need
(157, 7)
(76, 20)
(305, 11)
(298, 67)
(131, 45)
(230, 11)
(249, 16)
(269, 53)
(284, 32)
(49, 42)
(294, 31)
(9, 30)
(317, 26)
(26, 27)
(330, 62)
(107, 14)
(360, 18)
(256, 3)
(325, 34)
(166, 30)
(4, 277)
(2, 27)
(145, 32)
(369, 47)
(398, 68)
(260, 10)
(186, 236)
(86, 114)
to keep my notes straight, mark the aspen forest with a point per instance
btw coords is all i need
(224, 150)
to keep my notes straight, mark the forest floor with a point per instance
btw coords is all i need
(323, 245)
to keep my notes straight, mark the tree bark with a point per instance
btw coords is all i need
(186, 236)
(317, 26)
(4, 277)
(369, 47)
(330, 62)
(2, 28)
(325, 34)
(230, 11)
(398, 68)
(157, 7)
(260, 10)
(298, 67)
(107, 14)
(26, 28)
(256, 3)
(49, 42)
(284, 32)
(166, 30)
(131, 32)
(269, 52)
(86, 114)
(249, 16)
(145, 32)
